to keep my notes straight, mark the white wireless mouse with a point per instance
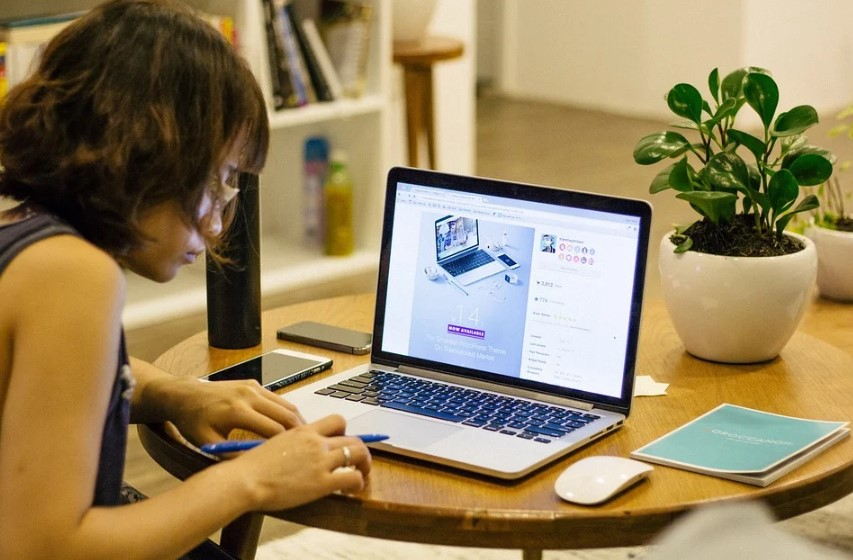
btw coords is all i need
(593, 480)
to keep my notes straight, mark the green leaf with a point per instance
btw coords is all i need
(716, 206)
(782, 190)
(687, 125)
(714, 84)
(732, 85)
(801, 150)
(685, 245)
(685, 101)
(727, 171)
(754, 178)
(810, 169)
(795, 121)
(810, 202)
(727, 109)
(759, 199)
(792, 143)
(683, 176)
(753, 144)
(762, 94)
(661, 180)
(680, 229)
(658, 146)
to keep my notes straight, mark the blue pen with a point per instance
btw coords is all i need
(232, 446)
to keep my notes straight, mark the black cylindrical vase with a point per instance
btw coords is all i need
(234, 288)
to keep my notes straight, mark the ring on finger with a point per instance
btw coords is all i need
(347, 456)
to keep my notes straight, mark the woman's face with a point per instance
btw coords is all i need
(172, 240)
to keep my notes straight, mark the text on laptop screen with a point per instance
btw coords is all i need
(558, 310)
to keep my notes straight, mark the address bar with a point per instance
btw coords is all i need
(509, 213)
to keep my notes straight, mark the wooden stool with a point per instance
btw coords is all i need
(417, 59)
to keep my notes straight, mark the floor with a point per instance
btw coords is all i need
(535, 143)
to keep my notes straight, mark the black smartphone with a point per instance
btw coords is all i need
(504, 258)
(327, 336)
(275, 369)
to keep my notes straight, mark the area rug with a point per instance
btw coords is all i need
(316, 544)
(830, 527)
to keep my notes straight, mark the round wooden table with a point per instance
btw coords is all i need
(408, 500)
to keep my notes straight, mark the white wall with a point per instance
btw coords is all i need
(454, 94)
(623, 57)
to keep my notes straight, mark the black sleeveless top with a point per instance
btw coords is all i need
(14, 238)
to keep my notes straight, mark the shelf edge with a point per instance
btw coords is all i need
(193, 300)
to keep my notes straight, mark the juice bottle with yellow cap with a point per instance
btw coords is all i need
(338, 202)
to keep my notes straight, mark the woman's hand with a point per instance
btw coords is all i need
(304, 464)
(207, 412)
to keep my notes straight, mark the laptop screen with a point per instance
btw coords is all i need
(455, 235)
(562, 316)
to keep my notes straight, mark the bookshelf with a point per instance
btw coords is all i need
(358, 126)
(371, 129)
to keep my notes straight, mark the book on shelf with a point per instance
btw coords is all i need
(283, 94)
(294, 59)
(325, 68)
(316, 73)
(23, 41)
(345, 27)
(743, 444)
(291, 82)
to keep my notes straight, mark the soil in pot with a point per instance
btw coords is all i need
(738, 238)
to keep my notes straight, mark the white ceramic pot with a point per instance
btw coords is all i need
(736, 309)
(410, 19)
(834, 262)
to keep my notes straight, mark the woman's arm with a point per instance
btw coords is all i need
(62, 303)
(291, 469)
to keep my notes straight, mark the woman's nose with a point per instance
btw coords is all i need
(212, 223)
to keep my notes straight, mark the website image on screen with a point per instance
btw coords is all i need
(557, 311)
(468, 325)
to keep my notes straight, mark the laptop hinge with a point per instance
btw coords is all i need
(486, 386)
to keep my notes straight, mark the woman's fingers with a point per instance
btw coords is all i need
(349, 452)
(331, 425)
(305, 463)
(268, 415)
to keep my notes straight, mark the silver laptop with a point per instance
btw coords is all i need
(510, 373)
(458, 252)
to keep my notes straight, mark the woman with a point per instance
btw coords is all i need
(121, 151)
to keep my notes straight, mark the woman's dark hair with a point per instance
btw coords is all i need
(136, 103)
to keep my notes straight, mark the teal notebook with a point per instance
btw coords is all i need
(743, 444)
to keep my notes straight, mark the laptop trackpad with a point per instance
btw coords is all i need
(405, 431)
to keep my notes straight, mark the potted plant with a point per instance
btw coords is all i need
(734, 282)
(831, 229)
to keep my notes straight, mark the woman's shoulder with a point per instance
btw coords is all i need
(68, 254)
(62, 261)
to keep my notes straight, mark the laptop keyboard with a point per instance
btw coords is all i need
(497, 413)
(469, 262)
